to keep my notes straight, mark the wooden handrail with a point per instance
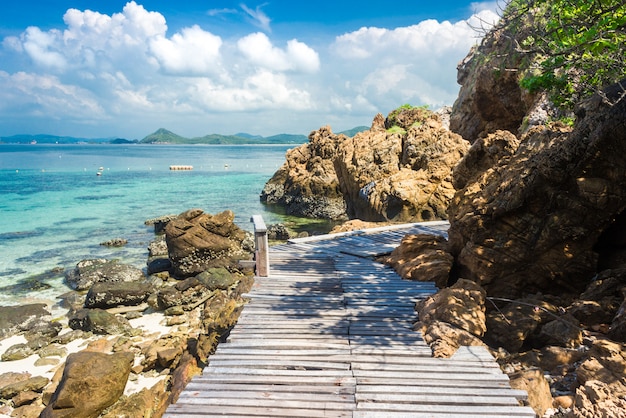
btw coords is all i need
(261, 246)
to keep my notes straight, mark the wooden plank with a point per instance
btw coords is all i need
(308, 390)
(436, 399)
(275, 363)
(276, 380)
(194, 411)
(446, 376)
(272, 395)
(425, 387)
(277, 372)
(485, 410)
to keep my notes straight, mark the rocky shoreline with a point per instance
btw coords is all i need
(125, 343)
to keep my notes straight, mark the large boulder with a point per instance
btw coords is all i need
(422, 257)
(197, 241)
(531, 223)
(91, 383)
(88, 272)
(399, 170)
(453, 317)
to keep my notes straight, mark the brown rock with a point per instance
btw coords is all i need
(537, 387)
(197, 241)
(402, 174)
(617, 330)
(33, 384)
(553, 357)
(186, 370)
(606, 362)
(25, 398)
(461, 305)
(13, 377)
(28, 411)
(91, 382)
(444, 339)
(146, 403)
(490, 97)
(532, 222)
(594, 399)
(397, 171)
(511, 325)
(422, 257)
(484, 154)
(164, 349)
(563, 401)
(307, 185)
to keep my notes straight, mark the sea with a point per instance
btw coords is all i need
(59, 202)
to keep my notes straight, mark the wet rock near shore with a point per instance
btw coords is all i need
(88, 272)
(115, 242)
(108, 295)
(115, 352)
(19, 318)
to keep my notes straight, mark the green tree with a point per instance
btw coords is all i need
(578, 47)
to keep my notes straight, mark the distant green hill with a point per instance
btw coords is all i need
(163, 136)
(354, 131)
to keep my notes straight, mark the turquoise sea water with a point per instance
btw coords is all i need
(55, 210)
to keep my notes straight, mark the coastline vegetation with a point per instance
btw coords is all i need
(578, 48)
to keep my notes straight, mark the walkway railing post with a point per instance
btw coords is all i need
(261, 246)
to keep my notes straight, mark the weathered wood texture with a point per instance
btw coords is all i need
(330, 334)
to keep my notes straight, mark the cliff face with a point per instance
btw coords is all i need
(399, 171)
(534, 198)
(532, 222)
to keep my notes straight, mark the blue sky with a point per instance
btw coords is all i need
(125, 68)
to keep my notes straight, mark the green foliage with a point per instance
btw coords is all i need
(395, 129)
(579, 46)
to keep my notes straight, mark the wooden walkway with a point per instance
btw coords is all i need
(330, 334)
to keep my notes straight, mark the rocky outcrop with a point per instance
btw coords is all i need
(307, 184)
(398, 171)
(532, 222)
(490, 98)
(197, 241)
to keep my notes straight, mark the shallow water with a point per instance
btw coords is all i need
(55, 210)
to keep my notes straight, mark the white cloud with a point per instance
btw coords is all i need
(45, 95)
(258, 17)
(126, 68)
(414, 64)
(193, 51)
(258, 50)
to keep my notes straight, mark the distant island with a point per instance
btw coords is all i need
(163, 136)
